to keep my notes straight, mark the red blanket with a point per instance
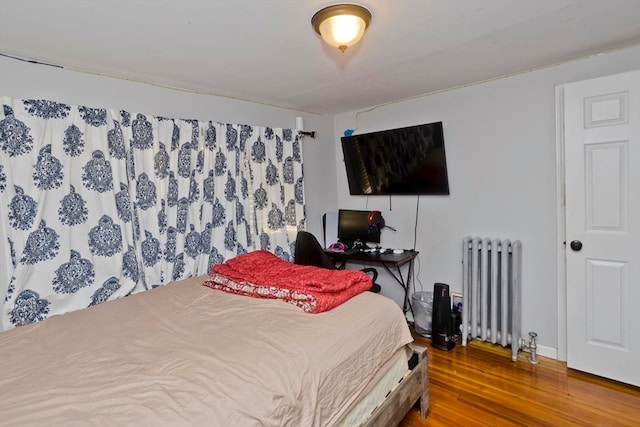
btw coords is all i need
(261, 274)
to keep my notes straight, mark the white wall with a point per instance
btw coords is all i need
(20, 79)
(500, 142)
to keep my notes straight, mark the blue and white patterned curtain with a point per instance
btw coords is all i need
(96, 204)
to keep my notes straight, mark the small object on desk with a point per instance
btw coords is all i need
(338, 246)
(398, 251)
(347, 251)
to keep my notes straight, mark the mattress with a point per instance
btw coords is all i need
(185, 354)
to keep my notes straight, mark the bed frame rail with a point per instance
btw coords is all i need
(413, 388)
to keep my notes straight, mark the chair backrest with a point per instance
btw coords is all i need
(308, 251)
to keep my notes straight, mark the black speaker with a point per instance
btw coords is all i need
(441, 336)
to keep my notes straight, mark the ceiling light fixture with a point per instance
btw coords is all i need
(341, 25)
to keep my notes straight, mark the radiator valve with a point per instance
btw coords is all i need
(532, 347)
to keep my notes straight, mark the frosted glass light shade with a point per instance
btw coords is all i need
(341, 25)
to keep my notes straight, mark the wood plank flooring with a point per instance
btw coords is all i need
(478, 385)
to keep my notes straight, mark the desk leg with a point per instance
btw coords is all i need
(407, 303)
(406, 285)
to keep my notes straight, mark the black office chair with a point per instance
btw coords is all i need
(308, 251)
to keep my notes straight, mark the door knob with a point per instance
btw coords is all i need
(576, 245)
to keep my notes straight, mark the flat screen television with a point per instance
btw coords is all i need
(403, 161)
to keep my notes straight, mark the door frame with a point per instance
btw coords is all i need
(561, 247)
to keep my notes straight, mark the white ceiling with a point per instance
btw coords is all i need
(266, 50)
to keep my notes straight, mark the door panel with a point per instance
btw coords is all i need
(605, 189)
(602, 188)
(606, 289)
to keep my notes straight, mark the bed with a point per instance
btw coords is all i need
(186, 354)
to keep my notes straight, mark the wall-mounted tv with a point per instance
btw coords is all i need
(403, 161)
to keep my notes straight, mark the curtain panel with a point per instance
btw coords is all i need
(96, 204)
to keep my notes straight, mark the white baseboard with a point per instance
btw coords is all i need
(545, 351)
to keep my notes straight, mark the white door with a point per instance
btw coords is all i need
(602, 178)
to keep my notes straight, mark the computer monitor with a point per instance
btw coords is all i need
(354, 226)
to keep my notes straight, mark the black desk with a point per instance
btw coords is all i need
(390, 261)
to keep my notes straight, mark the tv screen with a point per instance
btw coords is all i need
(403, 161)
(354, 226)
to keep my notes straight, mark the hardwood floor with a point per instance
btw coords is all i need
(478, 385)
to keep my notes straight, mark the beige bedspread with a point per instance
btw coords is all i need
(184, 354)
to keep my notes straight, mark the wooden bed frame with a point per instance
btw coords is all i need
(413, 388)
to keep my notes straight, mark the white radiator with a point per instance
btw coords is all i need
(491, 292)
